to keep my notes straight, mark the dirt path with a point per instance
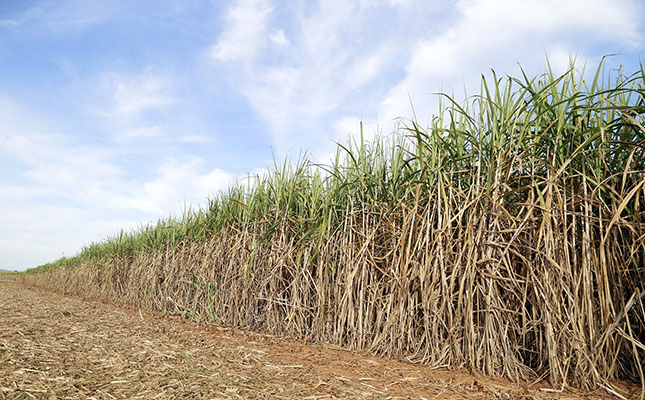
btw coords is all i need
(54, 346)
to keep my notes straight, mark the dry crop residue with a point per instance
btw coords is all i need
(55, 346)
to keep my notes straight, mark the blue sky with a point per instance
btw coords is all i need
(117, 113)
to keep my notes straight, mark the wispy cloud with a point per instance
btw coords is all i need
(58, 17)
(306, 69)
(133, 105)
(245, 32)
(279, 39)
(195, 139)
(132, 95)
(141, 132)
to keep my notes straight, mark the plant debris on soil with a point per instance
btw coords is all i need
(58, 347)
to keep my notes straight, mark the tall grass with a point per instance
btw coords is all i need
(506, 238)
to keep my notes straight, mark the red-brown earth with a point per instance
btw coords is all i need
(54, 346)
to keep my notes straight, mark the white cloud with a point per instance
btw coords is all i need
(194, 139)
(133, 106)
(302, 74)
(53, 192)
(134, 94)
(141, 132)
(279, 39)
(89, 178)
(273, 97)
(499, 34)
(179, 184)
(367, 68)
(551, 18)
(56, 165)
(245, 32)
(59, 194)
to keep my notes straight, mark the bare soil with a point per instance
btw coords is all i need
(54, 346)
